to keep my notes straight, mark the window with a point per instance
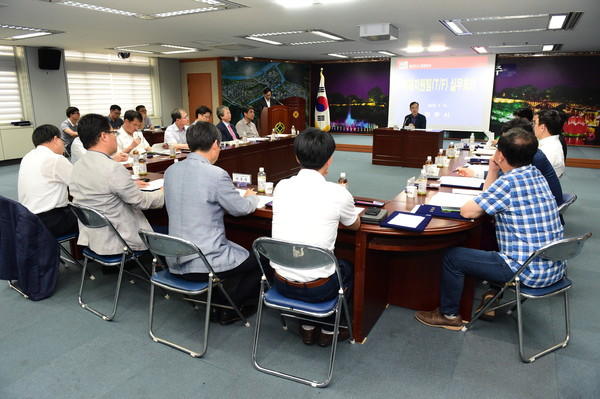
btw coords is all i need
(10, 96)
(96, 81)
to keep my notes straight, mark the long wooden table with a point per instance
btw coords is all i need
(407, 148)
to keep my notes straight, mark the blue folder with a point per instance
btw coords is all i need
(439, 212)
(419, 228)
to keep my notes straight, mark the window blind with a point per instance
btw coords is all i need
(11, 108)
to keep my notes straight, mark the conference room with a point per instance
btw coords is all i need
(380, 59)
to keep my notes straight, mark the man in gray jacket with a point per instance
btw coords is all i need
(197, 195)
(101, 183)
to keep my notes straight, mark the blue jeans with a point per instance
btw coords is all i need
(323, 293)
(457, 263)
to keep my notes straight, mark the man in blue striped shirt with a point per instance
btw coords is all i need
(526, 219)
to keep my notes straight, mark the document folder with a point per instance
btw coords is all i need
(439, 212)
(406, 221)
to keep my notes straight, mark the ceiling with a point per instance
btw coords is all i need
(221, 33)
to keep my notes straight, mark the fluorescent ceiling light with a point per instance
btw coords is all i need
(414, 49)
(548, 47)
(325, 35)
(480, 49)
(28, 35)
(337, 55)
(557, 21)
(99, 8)
(435, 49)
(387, 53)
(455, 26)
(307, 3)
(178, 51)
(291, 32)
(313, 42)
(260, 39)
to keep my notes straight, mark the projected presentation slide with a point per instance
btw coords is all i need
(454, 93)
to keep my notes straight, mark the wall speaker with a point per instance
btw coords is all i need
(49, 58)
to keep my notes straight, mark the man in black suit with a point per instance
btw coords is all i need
(264, 102)
(227, 130)
(415, 119)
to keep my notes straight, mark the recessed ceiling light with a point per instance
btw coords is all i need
(99, 8)
(548, 47)
(387, 53)
(480, 49)
(260, 39)
(313, 42)
(291, 32)
(326, 35)
(557, 21)
(29, 35)
(455, 26)
(337, 55)
(178, 51)
(307, 3)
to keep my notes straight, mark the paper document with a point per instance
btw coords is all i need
(485, 151)
(465, 182)
(406, 220)
(262, 199)
(154, 185)
(450, 200)
(463, 191)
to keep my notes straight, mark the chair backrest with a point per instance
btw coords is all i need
(294, 255)
(564, 249)
(568, 199)
(171, 247)
(93, 219)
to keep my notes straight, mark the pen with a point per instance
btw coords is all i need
(456, 170)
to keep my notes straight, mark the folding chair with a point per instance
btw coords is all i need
(93, 219)
(568, 199)
(302, 257)
(173, 247)
(561, 250)
(66, 255)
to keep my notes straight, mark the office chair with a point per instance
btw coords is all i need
(568, 199)
(66, 255)
(93, 219)
(298, 256)
(560, 250)
(161, 245)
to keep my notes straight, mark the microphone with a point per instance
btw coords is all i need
(405, 119)
(276, 100)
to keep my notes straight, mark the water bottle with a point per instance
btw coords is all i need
(293, 130)
(261, 179)
(342, 181)
(422, 183)
(143, 167)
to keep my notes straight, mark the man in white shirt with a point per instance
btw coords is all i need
(129, 138)
(547, 126)
(44, 175)
(175, 133)
(308, 209)
(69, 127)
(245, 127)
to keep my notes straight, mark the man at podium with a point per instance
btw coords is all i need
(264, 102)
(415, 120)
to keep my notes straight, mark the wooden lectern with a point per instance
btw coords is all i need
(275, 117)
(297, 106)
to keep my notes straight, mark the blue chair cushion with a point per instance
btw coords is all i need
(166, 279)
(109, 259)
(559, 285)
(273, 297)
(67, 237)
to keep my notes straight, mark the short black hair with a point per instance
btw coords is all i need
(551, 118)
(201, 110)
(130, 115)
(115, 106)
(246, 108)
(518, 122)
(71, 110)
(524, 112)
(313, 148)
(518, 147)
(90, 127)
(411, 104)
(44, 134)
(139, 107)
(176, 114)
(266, 90)
(201, 136)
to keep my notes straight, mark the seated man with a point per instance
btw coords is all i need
(44, 176)
(69, 127)
(203, 114)
(547, 126)
(197, 195)
(106, 186)
(526, 218)
(415, 119)
(146, 121)
(227, 130)
(175, 133)
(78, 151)
(128, 138)
(114, 117)
(245, 127)
(307, 209)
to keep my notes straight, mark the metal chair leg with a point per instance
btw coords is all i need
(14, 287)
(117, 291)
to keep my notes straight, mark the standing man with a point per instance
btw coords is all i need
(69, 127)
(265, 101)
(197, 196)
(526, 219)
(175, 133)
(106, 186)
(114, 117)
(228, 131)
(146, 121)
(203, 114)
(128, 138)
(307, 209)
(547, 126)
(245, 127)
(44, 176)
(415, 119)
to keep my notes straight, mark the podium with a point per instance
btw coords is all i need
(282, 117)
(297, 112)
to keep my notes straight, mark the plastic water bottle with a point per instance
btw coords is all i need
(293, 131)
(143, 166)
(450, 152)
(472, 142)
(343, 181)
(261, 179)
(422, 183)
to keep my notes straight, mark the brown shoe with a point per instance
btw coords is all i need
(487, 296)
(308, 336)
(327, 339)
(436, 319)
